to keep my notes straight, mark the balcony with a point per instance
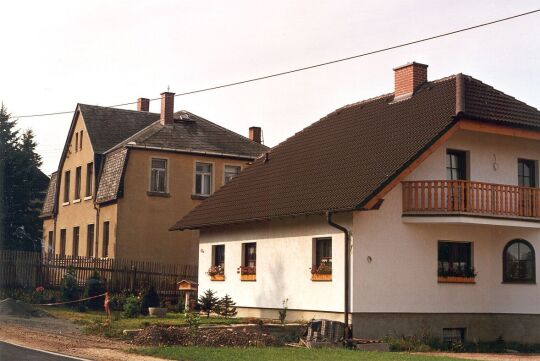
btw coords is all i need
(467, 198)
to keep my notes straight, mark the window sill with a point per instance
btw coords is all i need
(518, 282)
(78, 200)
(217, 278)
(199, 197)
(87, 198)
(249, 278)
(469, 280)
(321, 277)
(158, 194)
(65, 204)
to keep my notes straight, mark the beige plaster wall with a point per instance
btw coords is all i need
(144, 220)
(79, 212)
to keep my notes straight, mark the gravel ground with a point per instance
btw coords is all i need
(62, 336)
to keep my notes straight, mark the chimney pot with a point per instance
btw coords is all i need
(255, 134)
(167, 108)
(407, 79)
(143, 104)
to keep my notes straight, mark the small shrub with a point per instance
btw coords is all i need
(193, 322)
(283, 311)
(226, 307)
(69, 288)
(132, 307)
(208, 302)
(94, 286)
(149, 299)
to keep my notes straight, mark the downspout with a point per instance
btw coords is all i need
(347, 262)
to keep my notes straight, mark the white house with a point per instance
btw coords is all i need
(435, 188)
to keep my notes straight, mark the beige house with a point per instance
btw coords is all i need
(414, 212)
(125, 176)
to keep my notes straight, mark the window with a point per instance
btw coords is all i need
(50, 251)
(75, 248)
(89, 179)
(453, 335)
(90, 241)
(455, 259)
(519, 262)
(219, 256)
(203, 179)
(526, 173)
(250, 257)
(321, 269)
(230, 172)
(80, 140)
(76, 142)
(105, 250)
(78, 183)
(67, 176)
(158, 175)
(62, 242)
(456, 165)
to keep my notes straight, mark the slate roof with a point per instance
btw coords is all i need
(111, 176)
(191, 133)
(344, 159)
(109, 126)
(49, 201)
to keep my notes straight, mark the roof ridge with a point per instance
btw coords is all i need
(114, 108)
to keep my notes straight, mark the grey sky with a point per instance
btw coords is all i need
(58, 53)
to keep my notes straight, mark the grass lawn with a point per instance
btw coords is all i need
(278, 354)
(93, 322)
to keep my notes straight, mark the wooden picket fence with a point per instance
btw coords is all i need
(31, 269)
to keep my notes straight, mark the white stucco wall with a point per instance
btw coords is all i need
(402, 276)
(284, 257)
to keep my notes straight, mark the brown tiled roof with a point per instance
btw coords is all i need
(111, 176)
(49, 201)
(344, 159)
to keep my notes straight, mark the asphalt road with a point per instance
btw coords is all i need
(9, 352)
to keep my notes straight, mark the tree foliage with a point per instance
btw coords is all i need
(22, 187)
(226, 307)
(208, 302)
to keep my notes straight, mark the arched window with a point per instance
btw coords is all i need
(519, 262)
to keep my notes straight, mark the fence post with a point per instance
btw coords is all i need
(132, 278)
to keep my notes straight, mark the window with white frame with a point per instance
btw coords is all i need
(230, 172)
(203, 179)
(158, 175)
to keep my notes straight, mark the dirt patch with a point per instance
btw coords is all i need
(11, 307)
(215, 337)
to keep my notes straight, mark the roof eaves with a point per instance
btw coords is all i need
(191, 151)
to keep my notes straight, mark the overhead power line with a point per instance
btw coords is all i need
(274, 75)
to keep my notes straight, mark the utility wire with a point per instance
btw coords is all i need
(274, 75)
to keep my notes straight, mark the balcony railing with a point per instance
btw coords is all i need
(447, 197)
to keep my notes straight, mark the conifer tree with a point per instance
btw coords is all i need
(227, 307)
(208, 302)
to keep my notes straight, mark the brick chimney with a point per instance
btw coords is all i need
(255, 134)
(167, 108)
(143, 104)
(407, 79)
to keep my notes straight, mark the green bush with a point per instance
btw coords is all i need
(209, 302)
(193, 322)
(132, 307)
(69, 288)
(150, 299)
(94, 286)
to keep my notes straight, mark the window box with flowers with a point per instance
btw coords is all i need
(322, 272)
(216, 273)
(457, 275)
(247, 273)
